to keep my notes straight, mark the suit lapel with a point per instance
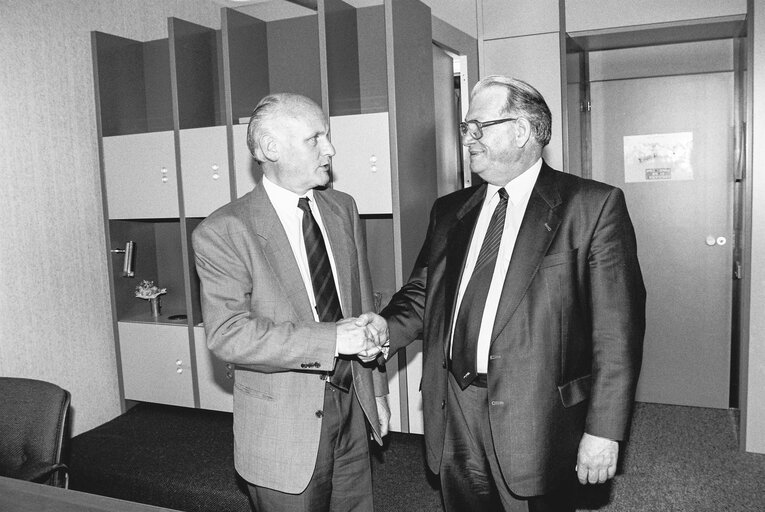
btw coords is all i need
(339, 240)
(278, 252)
(538, 228)
(458, 244)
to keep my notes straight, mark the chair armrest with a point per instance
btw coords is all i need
(40, 471)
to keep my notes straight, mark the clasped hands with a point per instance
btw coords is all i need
(363, 337)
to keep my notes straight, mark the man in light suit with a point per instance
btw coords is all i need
(279, 269)
(529, 298)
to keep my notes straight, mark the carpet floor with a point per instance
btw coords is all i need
(678, 459)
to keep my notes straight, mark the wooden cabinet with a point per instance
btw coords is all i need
(172, 120)
(215, 377)
(156, 363)
(246, 170)
(380, 96)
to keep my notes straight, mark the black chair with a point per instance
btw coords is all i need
(32, 423)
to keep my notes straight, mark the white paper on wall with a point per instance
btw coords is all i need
(658, 157)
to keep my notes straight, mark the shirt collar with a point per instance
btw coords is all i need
(282, 197)
(520, 186)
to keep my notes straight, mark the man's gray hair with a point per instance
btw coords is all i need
(523, 100)
(268, 108)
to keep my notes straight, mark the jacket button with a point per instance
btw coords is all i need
(444, 364)
(319, 414)
(443, 404)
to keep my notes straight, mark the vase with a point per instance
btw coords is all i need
(155, 307)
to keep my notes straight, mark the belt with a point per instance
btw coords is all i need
(479, 381)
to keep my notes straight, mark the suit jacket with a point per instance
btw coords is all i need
(566, 345)
(257, 315)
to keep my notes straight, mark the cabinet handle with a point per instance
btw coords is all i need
(179, 362)
(164, 174)
(179, 370)
(215, 175)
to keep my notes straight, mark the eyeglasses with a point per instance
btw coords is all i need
(475, 128)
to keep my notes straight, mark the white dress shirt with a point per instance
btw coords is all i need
(519, 192)
(285, 203)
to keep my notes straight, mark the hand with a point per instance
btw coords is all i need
(383, 413)
(596, 460)
(353, 339)
(377, 326)
(377, 329)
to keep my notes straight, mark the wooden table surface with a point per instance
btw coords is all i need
(21, 496)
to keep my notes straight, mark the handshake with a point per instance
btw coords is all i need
(363, 337)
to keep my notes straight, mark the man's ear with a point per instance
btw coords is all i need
(269, 147)
(522, 132)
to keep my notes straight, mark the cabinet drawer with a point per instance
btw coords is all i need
(204, 170)
(156, 363)
(361, 166)
(141, 180)
(215, 377)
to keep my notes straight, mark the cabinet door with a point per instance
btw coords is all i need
(361, 166)
(140, 176)
(156, 363)
(204, 170)
(246, 169)
(215, 377)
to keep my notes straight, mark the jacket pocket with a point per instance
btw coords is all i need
(558, 258)
(254, 393)
(575, 391)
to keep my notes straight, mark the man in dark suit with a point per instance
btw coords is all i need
(528, 296)
(280, 268)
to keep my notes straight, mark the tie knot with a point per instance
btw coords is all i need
(303, 204)
(502, 193)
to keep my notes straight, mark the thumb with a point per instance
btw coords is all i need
(362, 320)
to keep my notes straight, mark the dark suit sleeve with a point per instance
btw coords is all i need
(406, 309)
(617, 305)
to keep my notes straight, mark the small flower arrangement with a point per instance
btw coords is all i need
(148, 290)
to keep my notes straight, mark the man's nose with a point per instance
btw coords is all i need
(329, 149)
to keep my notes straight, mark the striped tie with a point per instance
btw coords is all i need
(468, 325)
(324, 290)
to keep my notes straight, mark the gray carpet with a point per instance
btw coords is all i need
(679, 459)
(684, 459)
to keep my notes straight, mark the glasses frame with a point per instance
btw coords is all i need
(480, 125)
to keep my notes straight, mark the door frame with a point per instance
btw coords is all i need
(729, 27)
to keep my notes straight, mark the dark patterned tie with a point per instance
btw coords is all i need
(324, 290)
(468, 325)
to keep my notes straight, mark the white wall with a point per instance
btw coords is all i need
(55, 317)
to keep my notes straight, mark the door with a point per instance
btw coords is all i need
(683, 221)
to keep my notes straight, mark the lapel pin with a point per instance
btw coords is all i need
(547, 226)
